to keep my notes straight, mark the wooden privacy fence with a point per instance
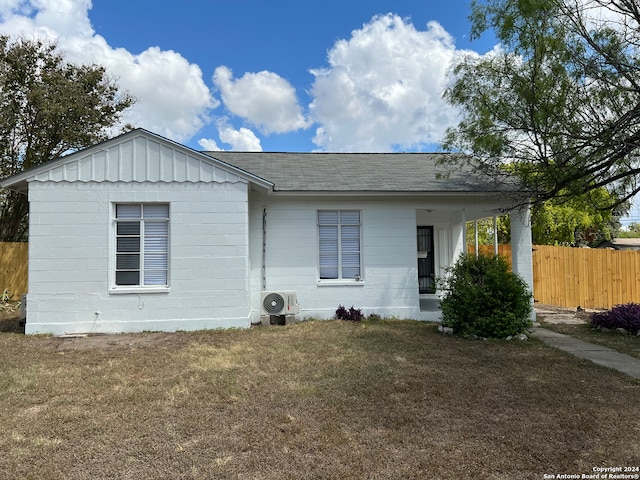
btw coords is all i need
(13, 268)
(585, 277)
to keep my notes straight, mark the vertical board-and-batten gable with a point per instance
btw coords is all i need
(138, 157)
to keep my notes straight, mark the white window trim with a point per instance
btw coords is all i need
(339, 282)
(347, 282)
(135, 289)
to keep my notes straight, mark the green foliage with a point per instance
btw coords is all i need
(632, 231)
(48, 108)
(559, 104)
(486, 231)
(576, 221)
(573, 221)
(484, 298)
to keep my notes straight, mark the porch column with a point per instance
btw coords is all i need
(463, 219)
(522, 246)
(475, 231)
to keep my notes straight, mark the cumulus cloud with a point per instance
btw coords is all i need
(241, 140)
(265, 99)
(209, 145)
(383, 88)
(172, 98)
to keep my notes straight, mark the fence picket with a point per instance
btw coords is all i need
(13, 268)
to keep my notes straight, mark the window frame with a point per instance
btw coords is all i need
(143, 251)
(340, 279)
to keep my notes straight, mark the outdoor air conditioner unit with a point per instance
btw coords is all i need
(279, 303)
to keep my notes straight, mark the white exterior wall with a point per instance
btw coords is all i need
(216, 244)
(388, 246)
(71, 251)
(389, 285)
(72, 247)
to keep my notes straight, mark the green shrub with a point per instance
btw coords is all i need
(484, 298)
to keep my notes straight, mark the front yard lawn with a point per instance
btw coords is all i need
(318, 399)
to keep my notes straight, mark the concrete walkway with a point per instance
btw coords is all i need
(601, 355)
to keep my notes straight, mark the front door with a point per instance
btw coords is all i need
(426, 263)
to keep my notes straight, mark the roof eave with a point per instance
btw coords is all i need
(16, 183)
(394, 193)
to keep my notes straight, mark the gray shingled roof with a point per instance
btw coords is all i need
(359, 172)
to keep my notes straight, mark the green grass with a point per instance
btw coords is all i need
(318, 399)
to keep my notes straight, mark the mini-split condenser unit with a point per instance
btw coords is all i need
(279, 303)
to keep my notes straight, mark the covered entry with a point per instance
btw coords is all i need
(426, 262)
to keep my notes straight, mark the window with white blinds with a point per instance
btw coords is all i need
(339, 244)
(142, 244)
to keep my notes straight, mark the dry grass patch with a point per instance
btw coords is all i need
(313, 400)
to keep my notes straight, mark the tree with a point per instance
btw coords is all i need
(48, 107)
(576, 221)
(559, 104)
(632, 231)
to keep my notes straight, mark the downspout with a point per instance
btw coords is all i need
(264, 248)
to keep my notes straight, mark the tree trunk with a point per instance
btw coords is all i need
(13, 217)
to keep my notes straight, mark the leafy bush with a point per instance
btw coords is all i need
(352, 314)
(484, 298)
(625, 316)
(374, 317)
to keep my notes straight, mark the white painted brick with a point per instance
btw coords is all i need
(209, 246)
(69, 271)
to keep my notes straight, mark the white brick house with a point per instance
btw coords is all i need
(141, 233)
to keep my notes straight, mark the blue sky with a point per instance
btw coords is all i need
(279, 75)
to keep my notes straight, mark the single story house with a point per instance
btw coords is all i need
(140, 233)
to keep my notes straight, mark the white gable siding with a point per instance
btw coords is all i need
(72, 244)
(139, 159)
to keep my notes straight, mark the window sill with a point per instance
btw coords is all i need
(341, 283)
(138, 290)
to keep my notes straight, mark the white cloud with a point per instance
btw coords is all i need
(67, 17)
(597, 14)
(241, 140)
(172, 98)
(209, 145)
(383, 88)
(265, 99)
